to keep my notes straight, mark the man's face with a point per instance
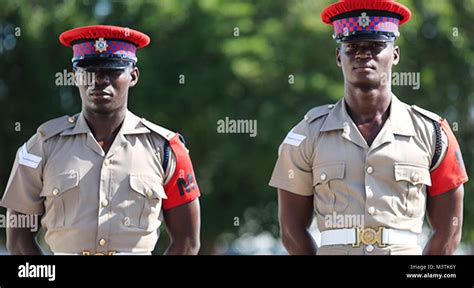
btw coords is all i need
(105, 90)
(367, 63)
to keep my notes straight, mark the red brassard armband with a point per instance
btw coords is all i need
(182, 187)
(451, 171)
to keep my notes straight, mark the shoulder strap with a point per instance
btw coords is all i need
(55, 126)
(317, 112)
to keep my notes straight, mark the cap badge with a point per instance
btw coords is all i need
(100, 45)
(364, 20)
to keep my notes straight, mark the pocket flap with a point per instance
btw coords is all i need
(58, 184)
(413, 174)
(147, 185)
(327, 172)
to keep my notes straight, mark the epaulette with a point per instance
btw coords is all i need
(165, 133)
(55, 126)
(317, 112)
(426, 113)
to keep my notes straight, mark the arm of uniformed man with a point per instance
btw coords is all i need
(445, 217)
(293, 178)
(295, 214)
(445, 199)
(21, 240)
(22, 199)
(181, 209)
(183, 226)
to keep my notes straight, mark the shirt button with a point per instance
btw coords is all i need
(371, 210)
(149, 193)
(330, 106)
(55, 191)
(71, 120)
(415, 177)
(370, 169)
(104, 203)
(106, 162)
(369, 248)
(323, 176)
(102, 242)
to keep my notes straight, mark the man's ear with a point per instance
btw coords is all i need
(134, 73)
(338, 56)
(396, 55)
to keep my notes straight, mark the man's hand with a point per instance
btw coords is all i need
(445, 216)
(21, 241)
(183, 224)
(295, 216)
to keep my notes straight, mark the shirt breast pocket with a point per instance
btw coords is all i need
(61, 194)
(146, 195)
(410, 198)
(328, 181)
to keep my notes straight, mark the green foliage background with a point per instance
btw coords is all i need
(244, 77)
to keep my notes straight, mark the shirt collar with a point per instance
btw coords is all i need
(131, 125)
(399, 118)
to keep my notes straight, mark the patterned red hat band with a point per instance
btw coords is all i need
(347, 26)
(107, 48)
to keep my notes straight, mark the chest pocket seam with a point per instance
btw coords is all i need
(62, 182)
(412, 173)
(415, 177)
(54, 189)
(147, 185)
(149, 201)
(327, 200)
(324, 173)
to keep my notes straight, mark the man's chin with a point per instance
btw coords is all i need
(101, 109)
(367, 84)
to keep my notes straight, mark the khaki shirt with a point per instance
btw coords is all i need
(91, 200)
(384, 184)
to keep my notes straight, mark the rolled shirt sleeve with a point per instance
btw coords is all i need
(24, 186)
(293, 169)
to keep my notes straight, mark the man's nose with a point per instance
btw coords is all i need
(101, 78)
(363, 52)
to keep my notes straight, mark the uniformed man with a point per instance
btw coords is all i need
(370, 165)
(104, 179)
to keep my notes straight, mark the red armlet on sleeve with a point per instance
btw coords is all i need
(451, 172)
(182, 187)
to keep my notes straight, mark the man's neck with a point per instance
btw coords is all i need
(104, 127)
(367, 105)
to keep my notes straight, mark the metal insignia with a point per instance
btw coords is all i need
(100, 45)
(364, 20)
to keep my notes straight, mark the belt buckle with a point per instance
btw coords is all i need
(88, 253)
(369, 236)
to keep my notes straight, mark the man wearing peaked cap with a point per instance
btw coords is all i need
(103, 180)
(370, 166)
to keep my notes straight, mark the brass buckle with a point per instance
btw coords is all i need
(88, 253)
(369, 236)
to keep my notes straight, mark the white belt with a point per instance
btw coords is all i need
(116, 253)
(368, 236)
